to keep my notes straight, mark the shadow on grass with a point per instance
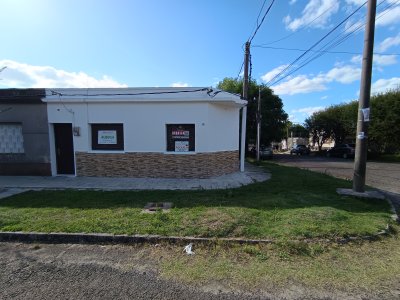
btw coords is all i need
(289, 188)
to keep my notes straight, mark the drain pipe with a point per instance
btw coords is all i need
(243, 138)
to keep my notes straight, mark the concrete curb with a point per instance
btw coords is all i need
(104, 238)
(87, 238)
(394, 201)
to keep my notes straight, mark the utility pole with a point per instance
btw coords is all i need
(258, 123)
(360, 160)
(246, 71)
(244, 110)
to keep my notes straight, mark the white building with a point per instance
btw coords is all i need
(144, 132)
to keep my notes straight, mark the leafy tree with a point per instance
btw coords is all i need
(384, 128)
(339, 122)
(297, 130)
(274, 118)
(319, 126)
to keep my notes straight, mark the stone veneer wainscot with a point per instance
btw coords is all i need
(157, 165)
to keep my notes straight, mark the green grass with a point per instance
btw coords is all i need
(366, 270)
(293, 204)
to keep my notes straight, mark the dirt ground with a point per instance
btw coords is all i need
(70, 271)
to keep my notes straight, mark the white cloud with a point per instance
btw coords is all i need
(291, 2)
(300, 85)
(355, 2)
(271, 74)
(384, 60)
(388, 17)
(180, 84)
(324, 97)
(308, 111)
(345, 74)
(303, 84)
(382, 85)
(20, 75)
(321, 9)
(356, 59)
(378, 60)
(351, 26)
(389, 42)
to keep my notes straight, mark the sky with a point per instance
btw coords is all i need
(197, 43)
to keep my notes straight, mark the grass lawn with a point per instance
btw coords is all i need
(293, 204)
(368, 270)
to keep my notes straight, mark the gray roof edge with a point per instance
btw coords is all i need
(168, 94)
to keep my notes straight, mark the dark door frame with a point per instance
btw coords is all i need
(64, 148)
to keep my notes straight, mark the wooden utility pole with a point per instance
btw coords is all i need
(360, 160)
(258, 123)
(246, 71)
(244, 110)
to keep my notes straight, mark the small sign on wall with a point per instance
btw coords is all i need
(180, 134)
(181, 146)
(107, 137)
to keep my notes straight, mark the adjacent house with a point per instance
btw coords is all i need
(143, 132)
(24, 133)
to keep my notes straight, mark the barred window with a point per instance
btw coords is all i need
(11, 138)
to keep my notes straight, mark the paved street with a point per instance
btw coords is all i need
(385, 176)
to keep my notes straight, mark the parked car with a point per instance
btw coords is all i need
(265, 152)
(300, 150)
(343, 150)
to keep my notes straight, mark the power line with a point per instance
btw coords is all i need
(301, 29)
(332, 44)
(240, 71)
(208, 90)
(315, 44)
(320, 51)
(262, 20)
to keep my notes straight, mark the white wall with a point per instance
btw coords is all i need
(216, 125)
(223, 128)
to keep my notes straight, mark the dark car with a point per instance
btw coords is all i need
(300, 150)
(265, 152)
(342, 150)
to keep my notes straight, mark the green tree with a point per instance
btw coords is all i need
(274, 118)
(339, 122)
(319, 127)
(384, 128)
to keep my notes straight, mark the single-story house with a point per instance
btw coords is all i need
(24, 133)
(143, 132)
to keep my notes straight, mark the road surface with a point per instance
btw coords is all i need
(384, 176)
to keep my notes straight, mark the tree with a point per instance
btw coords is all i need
(318, 124)
(297, 130)
(339, 123)
(384, 128)
(274, 118)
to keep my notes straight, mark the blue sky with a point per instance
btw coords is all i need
(113, 43)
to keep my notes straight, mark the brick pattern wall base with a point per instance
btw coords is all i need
(157, 165)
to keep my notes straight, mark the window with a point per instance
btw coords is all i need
(107, 137)
(180, 137)
(11, 138)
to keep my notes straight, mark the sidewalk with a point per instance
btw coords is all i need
(14, 184)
